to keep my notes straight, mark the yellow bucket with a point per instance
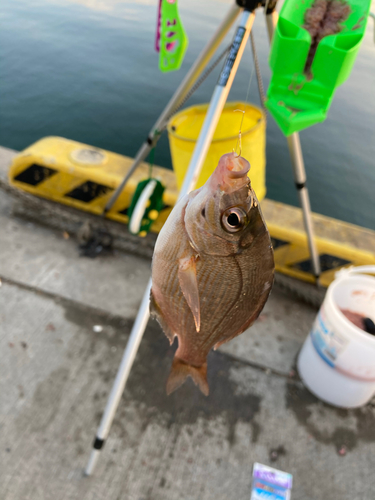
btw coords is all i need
(184, 128)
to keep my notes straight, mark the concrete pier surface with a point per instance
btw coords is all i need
(56, 372)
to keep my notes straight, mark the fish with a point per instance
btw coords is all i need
(212, 269)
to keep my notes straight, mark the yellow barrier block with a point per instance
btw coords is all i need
(84, 177)
(339, 243)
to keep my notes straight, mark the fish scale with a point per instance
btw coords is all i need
(224, 275)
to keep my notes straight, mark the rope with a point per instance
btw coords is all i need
(151, 159)
(199, 82)
(259, 75)
(195, 87)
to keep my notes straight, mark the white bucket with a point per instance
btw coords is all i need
(337, 360)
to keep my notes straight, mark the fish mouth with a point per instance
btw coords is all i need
(237, 166)
(230, 174)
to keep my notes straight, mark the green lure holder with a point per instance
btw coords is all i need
(294, 100)
(173, 39)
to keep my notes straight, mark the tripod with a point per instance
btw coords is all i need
(247, 9)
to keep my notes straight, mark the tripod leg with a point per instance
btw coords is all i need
(299, 173)
(300, 181)
(187, 83)
(271, 21)
(121, 378)
(213, 114)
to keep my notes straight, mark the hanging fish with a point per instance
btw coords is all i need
(212, 269)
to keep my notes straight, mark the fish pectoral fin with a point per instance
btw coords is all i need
(155, 312)
(187, 276)
(180, 371)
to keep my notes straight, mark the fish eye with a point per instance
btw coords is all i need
(233, 219)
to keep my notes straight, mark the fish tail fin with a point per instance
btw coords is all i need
(180, 371)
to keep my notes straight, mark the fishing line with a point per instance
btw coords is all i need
(151, 156)
(151, 162)
(243, 111)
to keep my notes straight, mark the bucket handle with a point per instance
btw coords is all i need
(343, 273)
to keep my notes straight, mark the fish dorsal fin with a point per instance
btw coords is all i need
(187, 276)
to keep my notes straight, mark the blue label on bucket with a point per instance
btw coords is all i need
(327, 343)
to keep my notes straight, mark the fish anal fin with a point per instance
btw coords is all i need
(156, 313)
(187, 276)
(180, 371)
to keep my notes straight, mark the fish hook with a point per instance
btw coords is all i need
(239, 140)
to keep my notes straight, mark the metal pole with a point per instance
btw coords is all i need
(176, 99)
(271, 21)
(299, 173)
(121, 378)
(300, 181)
(373, 18)
(213, 114)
